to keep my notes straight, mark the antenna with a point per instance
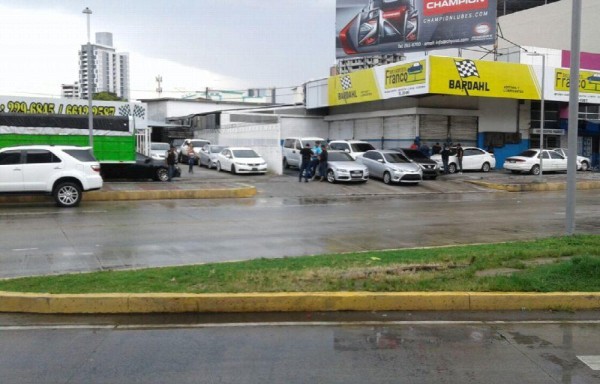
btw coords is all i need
(158, 82)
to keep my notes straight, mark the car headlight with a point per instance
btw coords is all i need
(341, 170)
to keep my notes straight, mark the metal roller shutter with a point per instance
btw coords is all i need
(463, 129)
(368, 129)
(433, 128)
(340, 130)
(399, 131)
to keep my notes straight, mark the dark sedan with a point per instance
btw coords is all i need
(144, 167)
(430, 167)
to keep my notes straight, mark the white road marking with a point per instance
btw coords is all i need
(23, 249)
(591, 361)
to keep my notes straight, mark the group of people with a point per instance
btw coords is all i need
(313, 159)
(444, 151)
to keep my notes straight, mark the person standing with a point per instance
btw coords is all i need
(323, 162)
(436, 149)
(460, 152)
(445, 157)
(191, 154)
(415, 145)
(171, 159)
(314, 163)
(306, 154)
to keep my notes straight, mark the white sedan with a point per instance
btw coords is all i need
(240, 160)
(529, 161)
(583, 163)
(474, 159)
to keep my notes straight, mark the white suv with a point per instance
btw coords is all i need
(293, 145)
(354, 148)
(61, 171)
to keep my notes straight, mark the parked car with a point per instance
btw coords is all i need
(430, 167)
(391, 167)
(208, 155)
(144, 167)
(342, 167)
(474, 159)
(240, 160)
(197, 143)
(61, 171)
(583, 163)
(291, 149)
(529, 161)
(158, 151)
(354, 147)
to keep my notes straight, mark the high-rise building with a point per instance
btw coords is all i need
(70, 91)
(110, 69)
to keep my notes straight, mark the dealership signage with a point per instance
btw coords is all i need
(372, 27)
(558, 85)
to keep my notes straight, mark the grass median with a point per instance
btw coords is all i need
(558, 264)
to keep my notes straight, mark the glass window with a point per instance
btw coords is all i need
(339, 156)
(555, 155)
(10, 157)
(362, 147)
(395, 158)
(472, 152)
(245, 153)
(84, 155)
(39, 156)
(545, 155)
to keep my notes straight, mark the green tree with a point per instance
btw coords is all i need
(107, 96)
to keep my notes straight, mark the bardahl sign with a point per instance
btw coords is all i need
(370, 27)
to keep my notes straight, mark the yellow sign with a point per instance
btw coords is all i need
(355, 87)
(457, 76)
(589, 82)
(405, 75)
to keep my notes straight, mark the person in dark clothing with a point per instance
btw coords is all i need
(460, 152)
(306, 154)
(436, 149)
(323, 162)
(445, 157)
(171, 159)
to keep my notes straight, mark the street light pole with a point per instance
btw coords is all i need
(542, 113)
(88, 12)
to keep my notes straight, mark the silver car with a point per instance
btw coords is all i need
(391, 167)
(342, 167)
(158, 151)
(208, 155)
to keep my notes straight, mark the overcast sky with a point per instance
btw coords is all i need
(192, 44)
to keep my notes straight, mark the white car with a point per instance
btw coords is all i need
(62, 171)
(583, 163)
(355, 148)
(391, 167)
(158, 151)
(474, 159)
(342, 167)
(529, 161)
(240, 160)
(208, 155)
(291, 149)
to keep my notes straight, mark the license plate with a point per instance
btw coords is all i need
(255, 169)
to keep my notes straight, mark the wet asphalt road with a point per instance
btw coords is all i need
(286, 218)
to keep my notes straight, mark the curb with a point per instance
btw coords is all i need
(292, 302)
(535, 187)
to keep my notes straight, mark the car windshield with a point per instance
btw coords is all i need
(339, 156)
(528, 153)
(199, 143)
(177, 142)
(361, 147)
(244, 153)
(414, 154)
(394, 158)
(159, 146)
(216, 148)
(81, 154)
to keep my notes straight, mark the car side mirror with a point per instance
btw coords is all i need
(380, 160)
(347, 150)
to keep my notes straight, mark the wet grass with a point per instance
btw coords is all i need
(569, 264)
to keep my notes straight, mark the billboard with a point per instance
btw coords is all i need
(372, 27)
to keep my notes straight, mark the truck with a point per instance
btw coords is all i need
(120, 129)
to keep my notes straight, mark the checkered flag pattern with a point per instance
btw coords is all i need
(346, 82)
(466, 68)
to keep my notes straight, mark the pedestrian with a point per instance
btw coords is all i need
(436, 149)
(306, 154)
(415, 145)
(323, 162)
(314, 163)
(424, 149)
(171, 159)
(445, 157)
(191, 154)
(460, 152)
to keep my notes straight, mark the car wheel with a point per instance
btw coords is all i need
(387, 178)
(535, 170)
(585, 166)
(209, 164)
(486, 167)
(285, 164)
(233, 171)
(162, 174)
(219, 166)
(67, 194)
(452, 168)
(331, 176)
